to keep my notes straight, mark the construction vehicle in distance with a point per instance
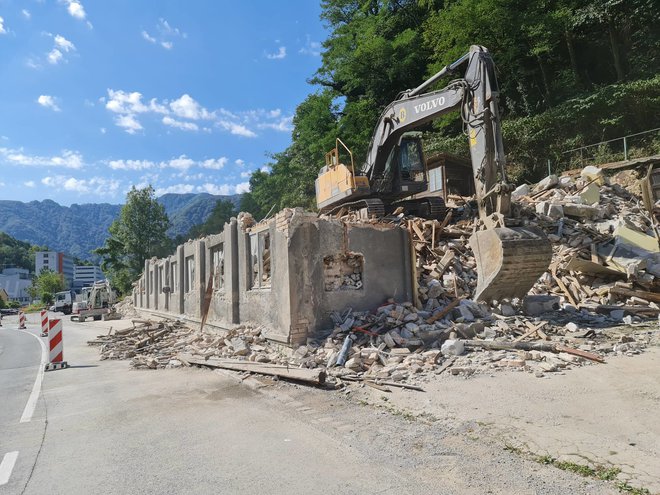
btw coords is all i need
(63, 302)
(510, 257)
(99, 304)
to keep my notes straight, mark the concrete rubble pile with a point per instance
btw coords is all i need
(604, 276)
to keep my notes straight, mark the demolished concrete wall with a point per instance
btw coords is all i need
(287, 274)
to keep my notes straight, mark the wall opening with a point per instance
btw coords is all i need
(190, 273)
(343, 272)
(260, 260)
(218, 263)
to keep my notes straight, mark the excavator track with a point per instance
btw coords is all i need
(509, 261)
(368, 208)
(432, 208)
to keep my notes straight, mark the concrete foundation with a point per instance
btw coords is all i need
(287, 274)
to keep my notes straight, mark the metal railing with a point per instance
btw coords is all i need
(625, 139)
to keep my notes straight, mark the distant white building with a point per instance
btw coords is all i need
(16, 282)
(86, 275)
(57, 262)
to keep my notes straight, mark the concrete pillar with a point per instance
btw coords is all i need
(147, 278)
(200, 268)
(231, 271)
(167, 282)
(180, 260)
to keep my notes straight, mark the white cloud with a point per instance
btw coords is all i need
(130, 164)
(188, 108)
(61, 45)
(76, 10)
(239, 162)
(166, 35)
(224, 189)
(26, 13)
(246, 175)
(126, 103)
(312, 48)
(181, 163)
(99, 186)
(3, 30)
(284, 124)
(2, 184)
(176, 113)
(243, 187)
(67, 159)
(165, 29)
(175, 189)
(129, 123)
(148, 37)
(185, 126)
(54, 56)
(29, 183)
(214, 164)
(102, 130)
(236, 129)
(48, 102)
(280, 54)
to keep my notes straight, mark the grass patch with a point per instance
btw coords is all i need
(598, 472)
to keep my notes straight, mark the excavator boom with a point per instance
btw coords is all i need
(510, 257)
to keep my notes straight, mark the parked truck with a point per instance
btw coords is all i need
(64, 302)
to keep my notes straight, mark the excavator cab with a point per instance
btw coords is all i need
(406, 166)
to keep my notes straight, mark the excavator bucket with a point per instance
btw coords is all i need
(509, 261)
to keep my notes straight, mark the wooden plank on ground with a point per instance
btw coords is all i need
(649, 296)
(314, 376)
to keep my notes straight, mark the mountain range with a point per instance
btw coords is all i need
(78, 229)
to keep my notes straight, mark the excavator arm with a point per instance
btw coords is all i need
(510, 257)
(476, 95)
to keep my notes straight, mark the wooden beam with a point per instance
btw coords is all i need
(314, 376)
(648, 296)
(443, 312)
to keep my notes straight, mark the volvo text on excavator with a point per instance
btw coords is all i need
(510, 257)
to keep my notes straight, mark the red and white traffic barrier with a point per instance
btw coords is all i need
(21, 321)
(56, 346)
(44, 323)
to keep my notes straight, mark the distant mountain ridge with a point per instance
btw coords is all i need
(78, 229)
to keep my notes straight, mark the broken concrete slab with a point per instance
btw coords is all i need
(535, 305)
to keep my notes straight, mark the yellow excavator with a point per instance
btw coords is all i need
(510, 256)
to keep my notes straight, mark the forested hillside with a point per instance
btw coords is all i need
(79, 229)
(571, 73)
(15, 253)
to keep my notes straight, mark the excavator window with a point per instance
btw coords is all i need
(410, 160)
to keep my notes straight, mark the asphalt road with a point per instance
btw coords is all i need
(99, 427)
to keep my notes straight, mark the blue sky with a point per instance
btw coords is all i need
(97, 96)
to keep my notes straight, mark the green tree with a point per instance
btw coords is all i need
(45, 285)
(137, 235)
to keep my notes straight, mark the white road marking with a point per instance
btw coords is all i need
(36, 389)
(7, 466)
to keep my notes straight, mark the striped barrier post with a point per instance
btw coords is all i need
(44, 323)
(21, 320)
(56, 346)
